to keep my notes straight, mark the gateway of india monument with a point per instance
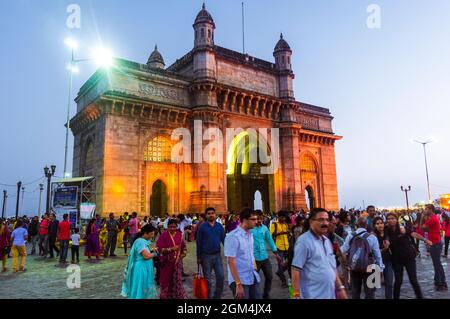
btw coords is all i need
(126, 116)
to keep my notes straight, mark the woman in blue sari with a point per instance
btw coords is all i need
(139, 281)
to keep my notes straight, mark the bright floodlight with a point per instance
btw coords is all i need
(103, 57)
(73, 68)
(71, 43)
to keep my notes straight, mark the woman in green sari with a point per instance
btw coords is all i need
(139, 281)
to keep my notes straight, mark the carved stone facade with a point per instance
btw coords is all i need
(126, 117)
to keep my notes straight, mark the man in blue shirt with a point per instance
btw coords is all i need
(261, 237)
(314, 274)
(242, 275)
(210, 236)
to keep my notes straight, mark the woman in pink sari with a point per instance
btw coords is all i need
(172, 249)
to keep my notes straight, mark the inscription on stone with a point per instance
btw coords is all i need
(153, 90)
(308, 122)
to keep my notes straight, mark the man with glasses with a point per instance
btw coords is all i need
(242, 275)
(314, 274)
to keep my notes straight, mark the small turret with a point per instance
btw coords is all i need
(156, 60)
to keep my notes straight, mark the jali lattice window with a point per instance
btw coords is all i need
(308, 164)
(158, 150)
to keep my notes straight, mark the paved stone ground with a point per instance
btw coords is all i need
(44, 279)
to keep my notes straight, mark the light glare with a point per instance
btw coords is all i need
(103, 57)
(71, 43)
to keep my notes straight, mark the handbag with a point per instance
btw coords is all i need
(6, 250)
(200, 285)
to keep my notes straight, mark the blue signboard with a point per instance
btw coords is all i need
(73, 218)
(65, 197)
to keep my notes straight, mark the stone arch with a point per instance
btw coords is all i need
(257, 200)
(310, 197)
(88, 158)
(244, 178)
(159, 199)
(310, 179)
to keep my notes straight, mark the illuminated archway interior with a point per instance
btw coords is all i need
(244, 179)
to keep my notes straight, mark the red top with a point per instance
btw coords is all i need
(434, 229)
(64, 230)
(446, 228)
(43, 228)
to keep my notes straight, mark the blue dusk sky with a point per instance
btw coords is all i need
(383, 86)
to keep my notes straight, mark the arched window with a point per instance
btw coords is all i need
(308, 165)
(282, 59)
(88, 164)
(158, 149)
(203, 32)
(209, 33)
(289, 60)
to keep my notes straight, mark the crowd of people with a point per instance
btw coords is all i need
(319, 254)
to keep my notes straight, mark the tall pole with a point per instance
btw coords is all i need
(21, 203)
(426, 170)
(406, 190)
(243, 29)
(68, 113)
(5, 195)
(424, 144)
(19, 185)
(41, 188)
(49, 173)
(47, 206)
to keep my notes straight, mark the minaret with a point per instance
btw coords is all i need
(282, 54)
(156, 60)
(204, 56)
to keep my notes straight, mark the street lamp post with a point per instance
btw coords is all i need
(103, 58)
(406, 190)
(21, 203)
(424, 144)
(5, 196)
(49, 172)
(71, 70)
(19, 185)
(41, 188)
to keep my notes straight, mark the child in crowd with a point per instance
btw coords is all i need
(75, 245)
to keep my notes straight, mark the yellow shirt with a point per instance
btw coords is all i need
(281, 241)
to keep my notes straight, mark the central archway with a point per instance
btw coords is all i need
(257, 201)
(309, 197)
(159, 199)
(244, 179)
